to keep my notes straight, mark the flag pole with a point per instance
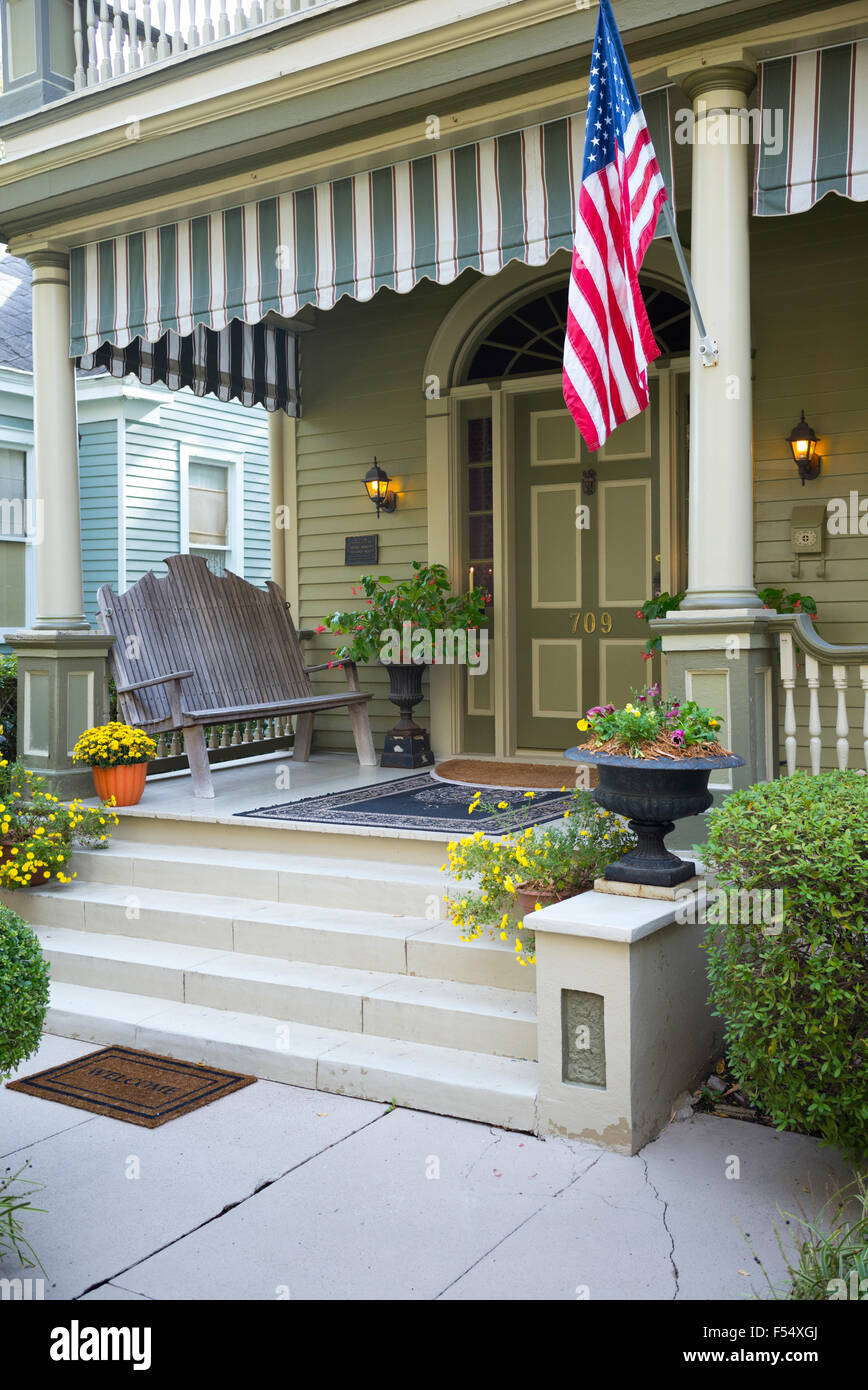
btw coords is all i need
(708, 350)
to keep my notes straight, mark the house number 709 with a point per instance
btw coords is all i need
(589, 622)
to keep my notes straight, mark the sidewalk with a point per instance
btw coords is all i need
(279, 1192)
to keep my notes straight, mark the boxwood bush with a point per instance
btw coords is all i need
(23, 991)
(794, 998)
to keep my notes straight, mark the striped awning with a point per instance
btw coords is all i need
(251, 363)
(510, 197)
(814, 109)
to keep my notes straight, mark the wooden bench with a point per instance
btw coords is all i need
(194, 648)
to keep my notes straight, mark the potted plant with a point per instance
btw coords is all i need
(523, 871)
(38, 831)
(405, 625)
(118, 757)
(654, 759)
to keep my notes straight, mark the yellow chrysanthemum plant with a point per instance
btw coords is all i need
(38, 831)
(113, 745)
(553, 860)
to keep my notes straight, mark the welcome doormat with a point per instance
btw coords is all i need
(482, 772)
(420, 803)
(137, 1087)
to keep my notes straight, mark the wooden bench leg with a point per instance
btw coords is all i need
(197, 756)
(361, 726)
(303, 736)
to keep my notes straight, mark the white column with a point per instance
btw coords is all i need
(721, 551)
(60, 603)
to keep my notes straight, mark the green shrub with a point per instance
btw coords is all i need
(23, 991)
(794, 996)
(831, 1258)
(15, 1193)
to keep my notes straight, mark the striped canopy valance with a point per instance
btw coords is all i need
(510, 197)
(814, 139)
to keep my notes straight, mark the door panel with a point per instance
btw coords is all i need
(587, 556)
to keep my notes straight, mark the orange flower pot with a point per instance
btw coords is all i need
(125, 784)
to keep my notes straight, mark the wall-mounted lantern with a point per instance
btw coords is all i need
(803, 443)
(377, 486)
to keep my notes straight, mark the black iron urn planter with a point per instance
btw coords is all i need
(653, 793)
(406, 745)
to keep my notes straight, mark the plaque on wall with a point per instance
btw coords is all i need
(361, 550)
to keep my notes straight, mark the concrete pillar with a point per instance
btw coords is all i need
(624, 1026)
(62, 672)
(720, 564)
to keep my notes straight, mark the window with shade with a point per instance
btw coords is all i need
(13, 535)
(480, 507)
(209, 502)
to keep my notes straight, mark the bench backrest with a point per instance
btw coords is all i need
(239, 640)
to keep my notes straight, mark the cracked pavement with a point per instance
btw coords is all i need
(279, 1192)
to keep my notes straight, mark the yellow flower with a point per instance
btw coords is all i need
(502, 805)
(529, 796)
(629, 709)
(583, 726)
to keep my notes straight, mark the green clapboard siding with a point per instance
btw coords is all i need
(98, 473)
(363, 395)
(809, 289)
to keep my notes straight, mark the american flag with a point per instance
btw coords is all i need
(609, 342)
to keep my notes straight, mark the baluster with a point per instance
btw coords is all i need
(118, 68)
(224, 735)
(236, 735)
(176, 748)
(92, 74)
(193, 39)
(863, 676)
(207, 26)
(271, 10)
(240, 21)
(842, 726)
(177, 36)
(148, 51)
(788, 679)
(78, 44)
(163, 49)
(223, 27)
(105, 62)
(213, 737)
(133, 59)
(815, 728)
(255, 16)
(161, 746)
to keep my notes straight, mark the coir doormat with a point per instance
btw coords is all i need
(420, 803)
(482, 772)
(137, 1087)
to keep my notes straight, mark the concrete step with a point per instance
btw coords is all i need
(319, 935)
(445, 1080)
(440, 1013)
(280, 875)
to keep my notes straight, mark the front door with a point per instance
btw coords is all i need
(587, 530)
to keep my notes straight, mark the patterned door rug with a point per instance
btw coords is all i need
(481, 772)
(420, 803)
(137, 1087)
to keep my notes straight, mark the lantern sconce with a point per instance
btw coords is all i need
(803, 443)
(377, 486)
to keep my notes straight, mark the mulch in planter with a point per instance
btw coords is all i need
(139, 1088)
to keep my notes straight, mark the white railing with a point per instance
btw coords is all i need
(115, 37)
(823, 710)
(241, 738)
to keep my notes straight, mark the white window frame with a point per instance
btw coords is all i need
(234, 465)
(22, 442)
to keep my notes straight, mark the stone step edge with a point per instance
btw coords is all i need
(421, 1076)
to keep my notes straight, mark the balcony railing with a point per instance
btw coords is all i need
(825, 699)
(125, 36)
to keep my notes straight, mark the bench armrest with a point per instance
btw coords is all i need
(349, 666)
(155, 680)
